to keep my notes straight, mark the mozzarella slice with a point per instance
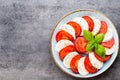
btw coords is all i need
(68, 29)
(108, 35)
(97, 25)
(81, 67)
(68, 58)
(62, 44)
(82, 22)
(110, 51)
(94, 61)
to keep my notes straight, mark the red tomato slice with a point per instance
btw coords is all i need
(107, 57)
(109, 43)
(89, 67)
(63, 35)
(104, 27)
(76, 27)
(90, 22)
(74, 63)
(80, 44)
(66, 51)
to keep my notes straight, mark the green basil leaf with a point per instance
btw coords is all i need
(88, 35)
(100, 50)
(96, 45)
(92, 41)
(99, 38)
(90, 46)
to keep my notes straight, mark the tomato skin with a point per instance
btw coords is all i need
(89, 66)
(104, 27)
(80, 44)
(107, 57)
(66, 51)
(63, 35)
(90, 22)
(76, 27)
(109, 43)
(74, 63)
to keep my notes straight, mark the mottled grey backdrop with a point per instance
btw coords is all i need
(25, 28)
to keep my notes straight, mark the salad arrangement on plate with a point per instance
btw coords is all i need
(84, 44)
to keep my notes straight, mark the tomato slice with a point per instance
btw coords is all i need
(74, 63)
(107, 57)
(66, 51)
(89, 67)
(90, 22)
(76, 27)
(104, 27)
(80, 44)
(109, 43)
(63, 35)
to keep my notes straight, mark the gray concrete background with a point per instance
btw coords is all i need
(25, 28)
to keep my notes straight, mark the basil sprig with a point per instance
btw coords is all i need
(94, 43)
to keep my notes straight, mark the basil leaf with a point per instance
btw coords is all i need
(90, 46)
(92, 41)
(100, 50)
(96, 45)
(88, 35)
(99, 38)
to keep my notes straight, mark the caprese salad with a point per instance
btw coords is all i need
(84, 44)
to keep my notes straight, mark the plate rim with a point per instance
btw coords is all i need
(64, 16)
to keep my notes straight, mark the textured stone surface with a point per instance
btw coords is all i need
(25, 28)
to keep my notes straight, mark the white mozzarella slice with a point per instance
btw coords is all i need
(110, 51)
(68, 29)
(94, 61)
(82, 22)
(68, 58)
(81, 67)
(97, 25)
(62, 44)
(108, 36)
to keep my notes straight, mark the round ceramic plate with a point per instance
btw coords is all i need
(70, 16)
